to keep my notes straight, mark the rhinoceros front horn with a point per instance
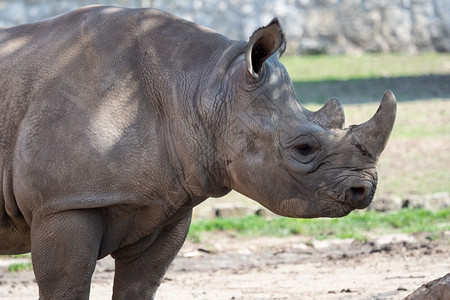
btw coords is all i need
(373, 135)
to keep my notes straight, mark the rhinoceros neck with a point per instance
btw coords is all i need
(189, 91)
(198, 119)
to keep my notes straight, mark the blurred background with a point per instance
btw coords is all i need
(353, 49)
(311, 26)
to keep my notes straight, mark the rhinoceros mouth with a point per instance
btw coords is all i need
(336, 207)
(300, 207)
(337, 201)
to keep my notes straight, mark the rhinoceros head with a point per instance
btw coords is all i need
(293, 161)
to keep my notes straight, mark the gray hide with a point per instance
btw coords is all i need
(117, 122)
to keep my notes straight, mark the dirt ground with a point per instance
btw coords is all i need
(227, 267)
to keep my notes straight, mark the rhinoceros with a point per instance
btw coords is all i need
(117, 122)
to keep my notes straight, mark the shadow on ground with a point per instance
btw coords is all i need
(371, 90)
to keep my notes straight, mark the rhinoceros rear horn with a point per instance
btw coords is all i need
(374, 134)
(331, 115)
(262, 44)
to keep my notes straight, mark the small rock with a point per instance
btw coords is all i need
(385, 242)
(386, 203)
(438, 289)
(437, 201)
(233, 212)
(414, 201)
(433, 201)
(105, 264)
(263, 212)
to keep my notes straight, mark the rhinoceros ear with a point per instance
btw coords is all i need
(262, 44)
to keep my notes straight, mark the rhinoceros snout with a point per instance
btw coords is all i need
(360, 196)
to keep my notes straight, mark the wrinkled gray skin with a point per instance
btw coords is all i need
(117, 122)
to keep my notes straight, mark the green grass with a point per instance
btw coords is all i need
(25, 255)
(17, 267)
(362, 79)
(313, 68)
(356, 225)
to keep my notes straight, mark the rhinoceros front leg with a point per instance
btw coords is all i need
(139, 275)
(64, 250)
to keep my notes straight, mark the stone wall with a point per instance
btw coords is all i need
(311, 26)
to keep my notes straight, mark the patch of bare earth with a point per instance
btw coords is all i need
(226, 267)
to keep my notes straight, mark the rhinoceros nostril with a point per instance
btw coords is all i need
(358, 192)
(358, 197)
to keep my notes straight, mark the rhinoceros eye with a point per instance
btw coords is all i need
(304, 149)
